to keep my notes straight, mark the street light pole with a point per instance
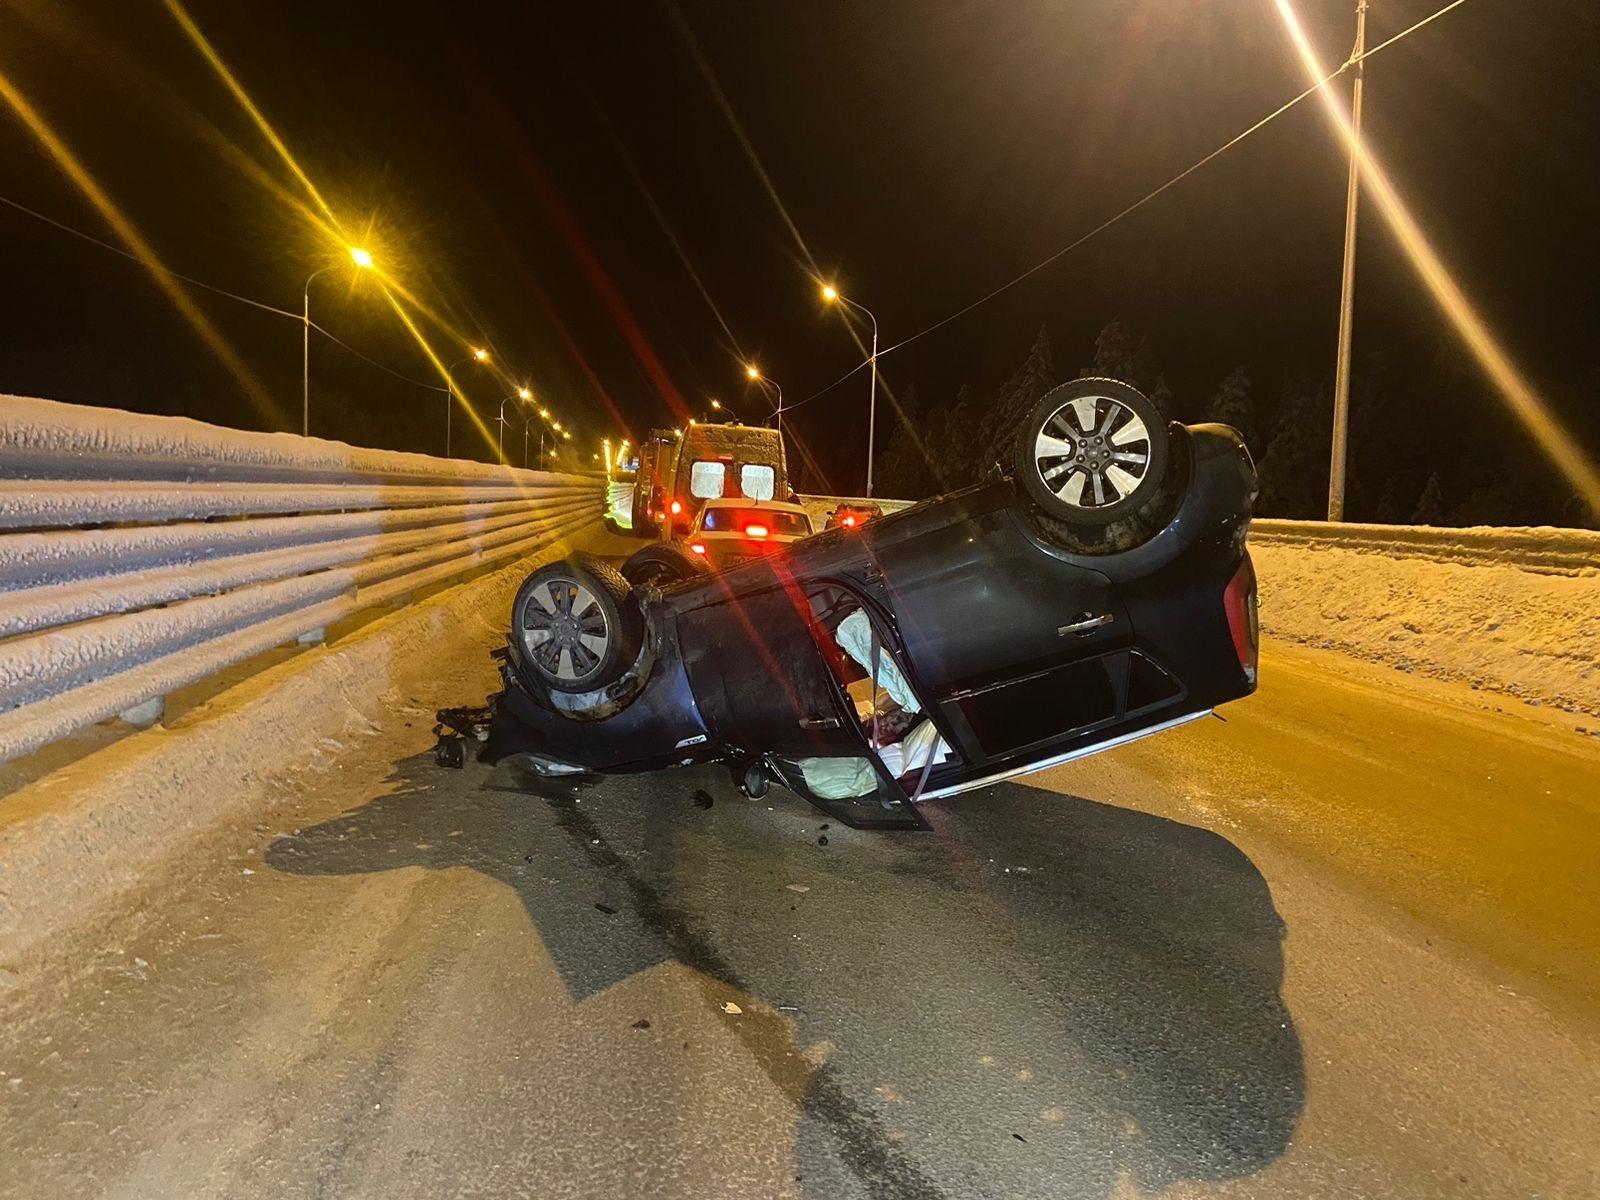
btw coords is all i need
(1347, 285)
(305, 354)
(831, 294)
(478, 355)
(524, 394)
(363, 260)
(754, 375)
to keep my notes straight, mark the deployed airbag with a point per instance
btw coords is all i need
(854, 636)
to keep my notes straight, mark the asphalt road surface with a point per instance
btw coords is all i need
(1345, 944)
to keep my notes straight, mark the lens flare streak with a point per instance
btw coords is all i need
(1519, 395)
(73, 168)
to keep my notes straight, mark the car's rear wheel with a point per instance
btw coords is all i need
(661, 564)
(1092, 451)
(577, 624)
(1096, 459)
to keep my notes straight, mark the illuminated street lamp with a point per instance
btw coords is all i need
(362, 259)
(833, 295)
(522, 393)
(754, 375)
(478, 355)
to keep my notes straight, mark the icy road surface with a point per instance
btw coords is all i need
(1346, 944)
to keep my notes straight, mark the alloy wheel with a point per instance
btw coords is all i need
(1093, 451)
(565, 630)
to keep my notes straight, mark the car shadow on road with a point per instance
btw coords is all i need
(1047, 994)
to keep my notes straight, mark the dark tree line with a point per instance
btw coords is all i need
(1419, 451)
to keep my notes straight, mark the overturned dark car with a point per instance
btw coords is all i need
(1097, 593)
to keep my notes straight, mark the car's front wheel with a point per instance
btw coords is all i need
(577, 624)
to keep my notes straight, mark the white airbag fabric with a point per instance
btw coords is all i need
(854, 635)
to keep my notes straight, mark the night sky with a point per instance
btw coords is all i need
(552, 178)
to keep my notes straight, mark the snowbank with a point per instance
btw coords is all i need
(1496, 626)
(76, 840)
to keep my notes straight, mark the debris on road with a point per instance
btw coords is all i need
(468, 722)
(607, 909)
(641, 1023)
(732, 1009)
(450, 752)
(702, 798)
(823, 840)
(799, 887)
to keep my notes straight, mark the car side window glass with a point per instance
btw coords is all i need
(757, 481)
(707, 479)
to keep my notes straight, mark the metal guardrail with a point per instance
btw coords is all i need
(1541, 549)
(820, 506)
(140, 554)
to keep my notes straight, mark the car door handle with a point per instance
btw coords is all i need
(1084, 622)
(819, 722)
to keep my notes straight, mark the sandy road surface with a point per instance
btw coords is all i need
(1346, 944)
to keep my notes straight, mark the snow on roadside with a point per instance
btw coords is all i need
(1494, 626)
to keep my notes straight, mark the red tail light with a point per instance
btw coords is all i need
(1239, 600)
(755, 531)
(697, 547)
(849, 522)
(676, 508)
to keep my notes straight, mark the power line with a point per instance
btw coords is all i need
(422, 383)
(211, 287)
(1143, 200)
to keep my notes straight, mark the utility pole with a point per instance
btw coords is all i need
(1347, 284)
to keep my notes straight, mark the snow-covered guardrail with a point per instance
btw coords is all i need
(140, 554)
(1542, 549)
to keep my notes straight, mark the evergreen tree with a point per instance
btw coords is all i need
(1113, 353)
(1388, 509)
(955, 438)
(1118, 356)
(1002, 422)
(1430, 505)
(1232, 404)
(1294, 469)
(902, 470)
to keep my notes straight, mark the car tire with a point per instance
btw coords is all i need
(661, 564)
(576, 625)
(1132, 529)
(1091, 453)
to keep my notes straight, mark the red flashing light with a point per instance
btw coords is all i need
(755, 531)
(849, 522)
(697, 547)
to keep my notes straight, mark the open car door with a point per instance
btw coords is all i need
(761, 654)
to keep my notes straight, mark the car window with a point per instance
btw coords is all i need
(757, 481)
(725, 520)
(707, 479)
